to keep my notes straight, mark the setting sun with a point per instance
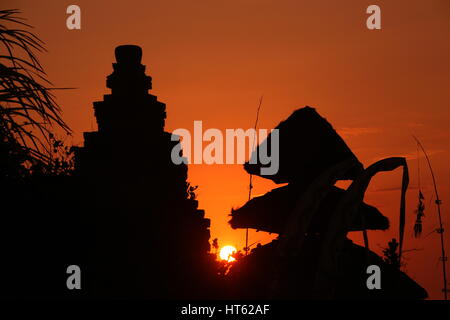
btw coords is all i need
(226, 252)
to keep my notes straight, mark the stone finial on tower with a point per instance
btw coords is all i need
(129, 95)
(128, 54)
(129, 76)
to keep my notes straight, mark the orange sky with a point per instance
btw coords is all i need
(211, 61)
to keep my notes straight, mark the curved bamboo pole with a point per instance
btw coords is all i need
(250, 186)
(441, 229)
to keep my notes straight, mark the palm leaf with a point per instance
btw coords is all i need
(26, 103)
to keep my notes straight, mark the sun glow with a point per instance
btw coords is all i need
(226, 252)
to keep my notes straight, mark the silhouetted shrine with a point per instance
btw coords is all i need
(312, 258)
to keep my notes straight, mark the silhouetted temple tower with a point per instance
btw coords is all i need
(147, 230)
(130, 134)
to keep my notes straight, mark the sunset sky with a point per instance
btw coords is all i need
(212, 60)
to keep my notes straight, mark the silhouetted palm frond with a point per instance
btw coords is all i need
(26, 103)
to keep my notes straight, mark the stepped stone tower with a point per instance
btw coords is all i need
(149, 239)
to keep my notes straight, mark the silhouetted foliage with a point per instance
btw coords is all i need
(420, 213)
(26, 103)
(390, 254)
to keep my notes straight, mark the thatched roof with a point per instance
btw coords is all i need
(308, 145)
(271, 211)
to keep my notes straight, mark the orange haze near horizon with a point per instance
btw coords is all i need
(212, 60)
